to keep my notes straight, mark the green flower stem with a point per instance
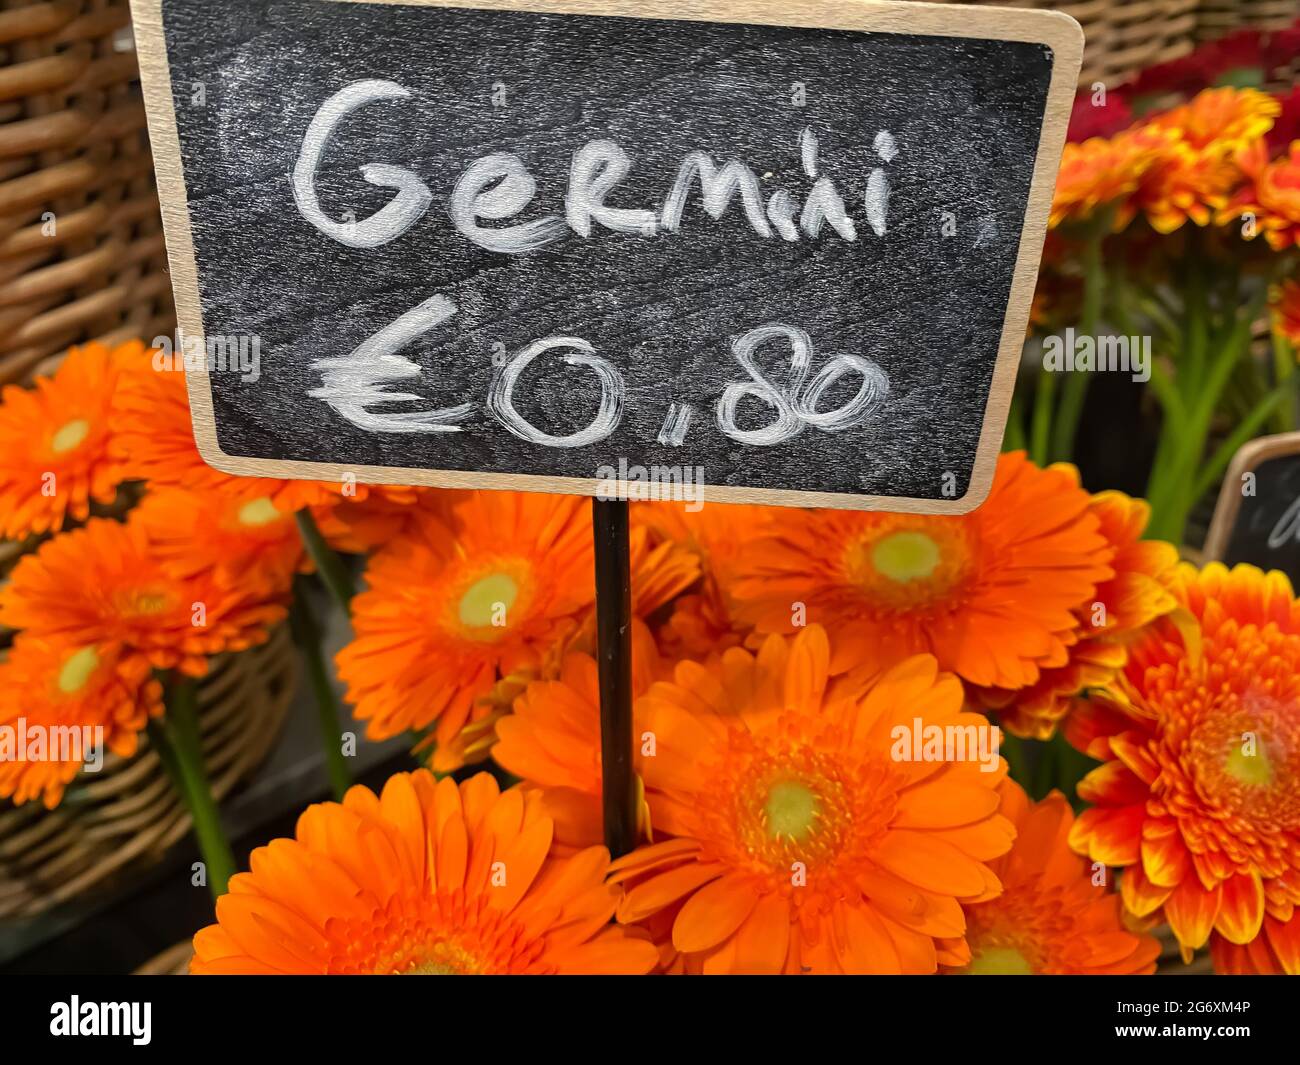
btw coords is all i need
(1014, 440)
(1013, 750)
(1045, 770)
(1196, 317)
(1173, 488)
(1212, 471)
(1284, 359)
(307, 635)
(328, 564)
(1041, 418)
(180, 747)
(1075, 394)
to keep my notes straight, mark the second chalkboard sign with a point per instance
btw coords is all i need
(784, 252)
(1257, 518)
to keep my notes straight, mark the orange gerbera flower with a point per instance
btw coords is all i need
(1100, 171)
(704, 621)
(1200, 736)
(1286, 311)
(1271, 196)
(245, 543)
(1274, 952)
(50, 690)
(426, 879)
(552, 738)
(1052, 918)
(809, 839)
(990, 594)
(54, 439)
(1197, 174)
(659, 572)
(456, 604)
(1123, 605)
(153, 438)
(383, 514)
(103, 583)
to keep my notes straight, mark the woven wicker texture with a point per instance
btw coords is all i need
(81, 244)
(1123, 36)
(129, 811)
(1214, 18)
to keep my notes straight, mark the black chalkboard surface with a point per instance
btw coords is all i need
(527, 248)
(1257, 519)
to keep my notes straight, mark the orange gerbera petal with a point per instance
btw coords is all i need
(249, 543)
(789, 796)
(1274, 952)
(1206, 715)
(104, 584)
(1120, 609)
(704, 621)
(551, 739)
(1285, 304)
(375, 885)
(992, 594)
(1100, 172)
(153, 438)
(1241, 909)
(359, 524)
(492, 592)
(55, 441)
(1052, 916)
(61, 705)
(1197, 171)
(1269, 203)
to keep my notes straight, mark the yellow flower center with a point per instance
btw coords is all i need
(905, 556)
(77, 670)
(909, 563)
(258, 512)
(788, 806)
(487, 602)
(1245, 753)
(70, 435)
(444, 959)
(1252, 769)
(998, 961)
(791, 810)
(423, 931)
(792, 805)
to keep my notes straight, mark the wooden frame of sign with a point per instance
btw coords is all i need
(1249, 457)
(1055, 31)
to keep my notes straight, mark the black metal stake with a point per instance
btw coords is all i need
(614, 652)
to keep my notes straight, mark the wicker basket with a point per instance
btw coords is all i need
(74, 158)
(1218, 17)
(129, 812)
(1124, 36)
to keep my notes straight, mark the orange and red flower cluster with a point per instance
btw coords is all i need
(1207, 160)
(1185, 142)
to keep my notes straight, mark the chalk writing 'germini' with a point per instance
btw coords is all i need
(499, 186)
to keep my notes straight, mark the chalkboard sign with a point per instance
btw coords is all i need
(788, 246)
(1257, 518)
